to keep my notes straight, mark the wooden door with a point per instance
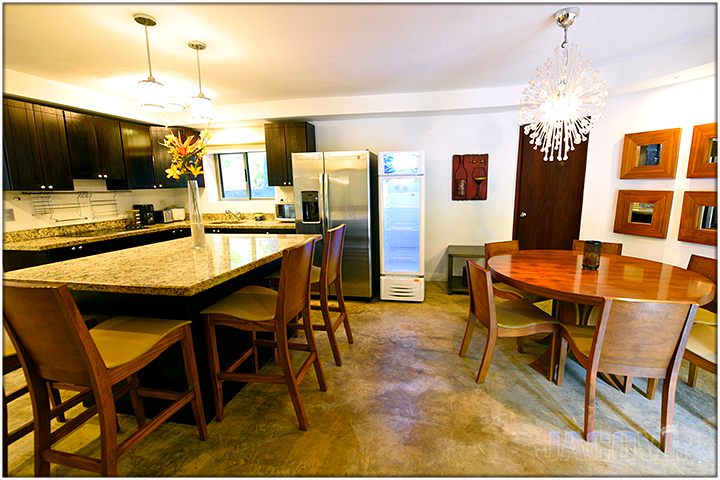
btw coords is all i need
(23, 165)
(53, 148)
(109, 144)
(276, 154)
(548, 197)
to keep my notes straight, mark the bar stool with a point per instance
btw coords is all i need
(258, 309)
(54, 345)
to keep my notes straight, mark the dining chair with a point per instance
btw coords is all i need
(607, 247)
(54, 345)
(707, 267)
(257, 309)
(509, 318)
(501, 289)
(635, 338)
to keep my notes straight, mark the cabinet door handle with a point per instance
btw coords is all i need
(42, 187)
(80, 247)
(72, 248)
(50, 187)
(523, 214)
(99, 175)
(104, 176)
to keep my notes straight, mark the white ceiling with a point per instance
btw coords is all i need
(266, 52)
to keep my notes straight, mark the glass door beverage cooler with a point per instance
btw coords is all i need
(402, 225)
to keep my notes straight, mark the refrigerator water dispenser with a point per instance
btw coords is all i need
(310, 207)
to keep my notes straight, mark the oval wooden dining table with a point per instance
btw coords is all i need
(558, 274)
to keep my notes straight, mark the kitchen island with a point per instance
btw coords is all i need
(169, 279)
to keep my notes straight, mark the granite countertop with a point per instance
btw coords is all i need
(58, 237)
(171, 268)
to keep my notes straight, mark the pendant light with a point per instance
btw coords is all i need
(201, 106)
(566, 101)
(152, 93)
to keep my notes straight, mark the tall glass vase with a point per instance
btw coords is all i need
(197, 230)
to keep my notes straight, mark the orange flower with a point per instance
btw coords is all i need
(186, 156)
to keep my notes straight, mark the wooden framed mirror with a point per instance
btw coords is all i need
(651, 154)
(703, 152)
(643, 212)
(698, 221)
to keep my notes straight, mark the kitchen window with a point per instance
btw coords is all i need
(243, 175)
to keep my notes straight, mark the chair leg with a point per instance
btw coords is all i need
(6, 440)
(312, 346)
(469, 329)
(327, 321)
(668, 409)
(651, 388)
(290, 380)
(487, 357)
(214, 360)
(343, 311)
(627, 388)
(136, 401)
(55, 400)
(553, 353)
(41, 413)
(520, 341)
(692, 374)
(193, 381)
(562, 358)
(590, 384)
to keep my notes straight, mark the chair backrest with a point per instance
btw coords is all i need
(607, 247)
(707, 267)
(500, 248)
(640, 338)
(294, 288)
(332, 255)
(49, 333)
(482, 301)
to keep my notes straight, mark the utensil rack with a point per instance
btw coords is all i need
(42, 204)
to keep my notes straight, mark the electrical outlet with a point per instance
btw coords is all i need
(9, 215)
(161, 202)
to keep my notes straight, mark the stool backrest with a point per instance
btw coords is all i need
(500, 248)
(332, 255)
(707, 267)
(49, 332)
(482, 301)
(294, 288)
(640, 338)
(607, 247)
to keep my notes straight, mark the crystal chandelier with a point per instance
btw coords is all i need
(564, 103)
(200, 106)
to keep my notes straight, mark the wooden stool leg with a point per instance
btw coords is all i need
(327, 321)
(469, 329)
(562, 358)
(41, 410)
(692, 374)
(136, 401)
(487, 358)
(193, 382)
(6, 440)
(290, 380)
(343, 310)
(520, 341)
(627, 388)
(651, 388)
(312, 345)
(214, 360)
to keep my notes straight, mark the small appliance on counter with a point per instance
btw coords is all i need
(285, 212)
(147, 214)
(163, 216)
(178, 214)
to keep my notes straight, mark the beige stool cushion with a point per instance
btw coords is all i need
(252, 303)
(706, 317)
(507, 288)
(582, 337)
(703, 342)
(520, 314)
(123, 339)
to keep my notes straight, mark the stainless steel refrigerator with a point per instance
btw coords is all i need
(332, 188)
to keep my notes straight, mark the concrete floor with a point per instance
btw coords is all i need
(405, 404)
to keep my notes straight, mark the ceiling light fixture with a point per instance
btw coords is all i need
(152, 93)
(562, 106)
(201, 106)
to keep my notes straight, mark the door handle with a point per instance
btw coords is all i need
(523, 214)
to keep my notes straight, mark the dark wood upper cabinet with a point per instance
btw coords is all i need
(36, 147)
(162, 158)
(82, 144)
(281, 141)
(137, 152)
(95, 145)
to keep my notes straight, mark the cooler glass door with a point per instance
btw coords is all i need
(401, 236)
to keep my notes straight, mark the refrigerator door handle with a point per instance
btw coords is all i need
(326, 196)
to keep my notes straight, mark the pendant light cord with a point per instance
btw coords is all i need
(199, 80)
(147, 44)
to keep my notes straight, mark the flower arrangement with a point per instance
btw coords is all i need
(186, 156)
